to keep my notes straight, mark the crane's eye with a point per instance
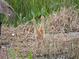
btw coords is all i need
(9, 14)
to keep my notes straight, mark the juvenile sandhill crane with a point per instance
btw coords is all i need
(6, 10)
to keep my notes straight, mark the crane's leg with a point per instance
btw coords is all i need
(0, 33)
(0, 27)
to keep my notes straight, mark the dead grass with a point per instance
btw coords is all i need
(28, 37)
(67, 20)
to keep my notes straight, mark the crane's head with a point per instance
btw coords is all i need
(6, 9)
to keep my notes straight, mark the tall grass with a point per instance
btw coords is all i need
(27, 9)
(12, 53)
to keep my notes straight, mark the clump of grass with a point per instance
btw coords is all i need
(30, 56)
(12, 53)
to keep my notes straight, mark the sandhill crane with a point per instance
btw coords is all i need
(6, 10)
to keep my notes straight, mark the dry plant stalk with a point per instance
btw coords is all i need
(39, 31)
